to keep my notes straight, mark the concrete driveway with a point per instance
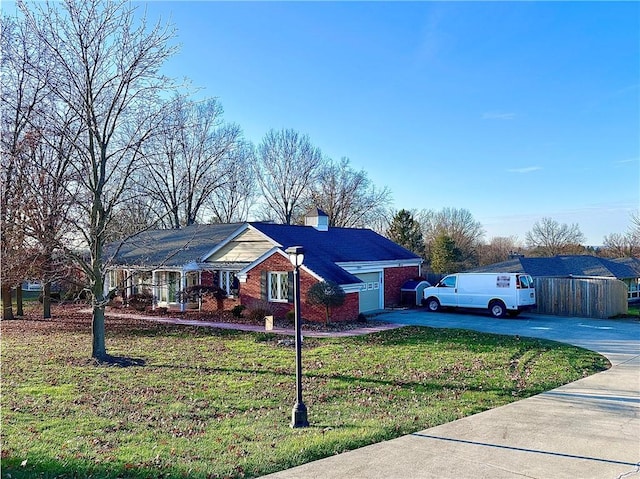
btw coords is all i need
(586, 429)
(618, 340)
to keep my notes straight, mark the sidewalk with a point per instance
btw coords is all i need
(258, 329)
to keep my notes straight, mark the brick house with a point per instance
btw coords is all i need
(249, 262)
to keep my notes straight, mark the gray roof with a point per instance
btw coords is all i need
(566, 266)
(170, 248)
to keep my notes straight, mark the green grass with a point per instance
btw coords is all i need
(217, 404)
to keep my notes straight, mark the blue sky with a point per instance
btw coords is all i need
(512, 110)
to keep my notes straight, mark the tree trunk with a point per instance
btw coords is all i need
(46, 300)
(7, 309)
(99, 350)
(19, 309)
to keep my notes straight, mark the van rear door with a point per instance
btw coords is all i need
(525, 289)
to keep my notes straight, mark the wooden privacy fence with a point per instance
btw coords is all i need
(587, 297)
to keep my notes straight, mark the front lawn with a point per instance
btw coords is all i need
(203, 403)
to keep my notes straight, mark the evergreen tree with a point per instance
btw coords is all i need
(406, 231)
(445, 255)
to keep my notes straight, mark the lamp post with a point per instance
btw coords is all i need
(299, 411)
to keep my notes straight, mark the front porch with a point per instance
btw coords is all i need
(193, 288)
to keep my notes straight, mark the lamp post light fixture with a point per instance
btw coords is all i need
(299, 411)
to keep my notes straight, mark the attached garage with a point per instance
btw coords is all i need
(370, 291)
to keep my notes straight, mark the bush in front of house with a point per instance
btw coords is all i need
(328, 294)
(198, 292)
(257, 310)
(140, 301)
(237, 310)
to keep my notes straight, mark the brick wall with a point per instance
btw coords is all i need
(394, 278)
(213, 304)
(251, 294)
(206, 278)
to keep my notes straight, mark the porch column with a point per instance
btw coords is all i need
(128, 282)
(183, 286)
(106, 285)
(154, 289)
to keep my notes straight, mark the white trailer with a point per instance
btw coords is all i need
(500, 293)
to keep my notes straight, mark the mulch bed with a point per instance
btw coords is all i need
(74, 317)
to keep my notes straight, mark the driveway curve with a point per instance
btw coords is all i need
(586, 429)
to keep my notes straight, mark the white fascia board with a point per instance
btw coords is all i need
(355, 267)
(267, 237)
(167, 270)
(242, 274)
(351, 288)
(230, 238)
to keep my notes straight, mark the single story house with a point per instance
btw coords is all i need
(626, 270)
(248, 261)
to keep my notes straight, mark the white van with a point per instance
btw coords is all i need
(500, 293)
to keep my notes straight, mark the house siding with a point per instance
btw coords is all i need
(394, 278)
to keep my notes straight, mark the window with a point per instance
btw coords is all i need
(169, 283)
(226, 281)
(141, 282)
(448, 282)
(279, 286)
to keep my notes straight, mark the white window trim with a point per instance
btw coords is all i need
(279, 284)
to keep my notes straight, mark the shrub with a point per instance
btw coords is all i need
(257, 315)
(140, 301)
(195, 293)
(237, 310)
(327, 294)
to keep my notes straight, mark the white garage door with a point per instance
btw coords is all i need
(370, 292)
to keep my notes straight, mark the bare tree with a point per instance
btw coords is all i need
(187, 161)
(22, 97)
(233, 200)
(623, 245)
(50, 192)
(106, 73)
(348, 196)
(131, 217)
(498, 249)
(287, 165)
(550, 238)
(459, 226)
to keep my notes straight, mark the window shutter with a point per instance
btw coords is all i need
(264, 285)
(290, 297)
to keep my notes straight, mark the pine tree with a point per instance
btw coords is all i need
(405, 231)
(445, 255)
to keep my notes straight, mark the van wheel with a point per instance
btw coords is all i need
(433, 305)
(497, 309)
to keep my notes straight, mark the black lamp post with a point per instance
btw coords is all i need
(299, 411)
